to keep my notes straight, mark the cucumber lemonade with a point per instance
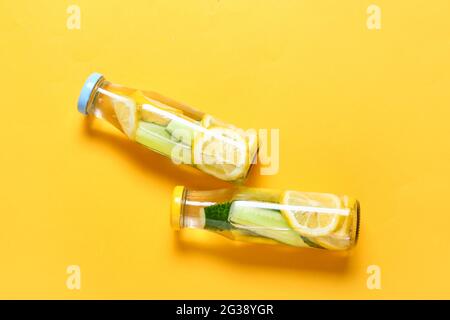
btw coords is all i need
(299, 219)
(171, 128)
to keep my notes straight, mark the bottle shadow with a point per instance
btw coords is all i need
(148, 161)
(267, 255)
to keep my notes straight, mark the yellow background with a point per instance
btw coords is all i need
(360, 112)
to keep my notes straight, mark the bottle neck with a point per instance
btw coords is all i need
(188, 205)
(103, 99)
(94, 97)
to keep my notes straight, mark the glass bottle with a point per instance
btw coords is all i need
(299, 219)
(173, 129)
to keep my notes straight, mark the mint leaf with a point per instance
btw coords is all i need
(216, 216)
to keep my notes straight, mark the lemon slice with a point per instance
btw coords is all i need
(339, 240)
(345, 236)
(221, 152)
(252, 140)
(206, 121)
(126, 114)
(153, 110)
(312, 214)
(209, 121)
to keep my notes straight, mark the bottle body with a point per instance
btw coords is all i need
(175, 130)
(299, 219)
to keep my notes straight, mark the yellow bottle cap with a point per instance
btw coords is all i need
(175, 210)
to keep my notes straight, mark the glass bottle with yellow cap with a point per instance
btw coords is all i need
(170, 128)
(299, 219)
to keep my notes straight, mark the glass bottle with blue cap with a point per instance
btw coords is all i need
(173, 129)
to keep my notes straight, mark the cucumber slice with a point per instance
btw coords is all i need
(155, 137)
(181, 130)
(264, 222)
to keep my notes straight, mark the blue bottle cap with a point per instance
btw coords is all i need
(86, 91)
